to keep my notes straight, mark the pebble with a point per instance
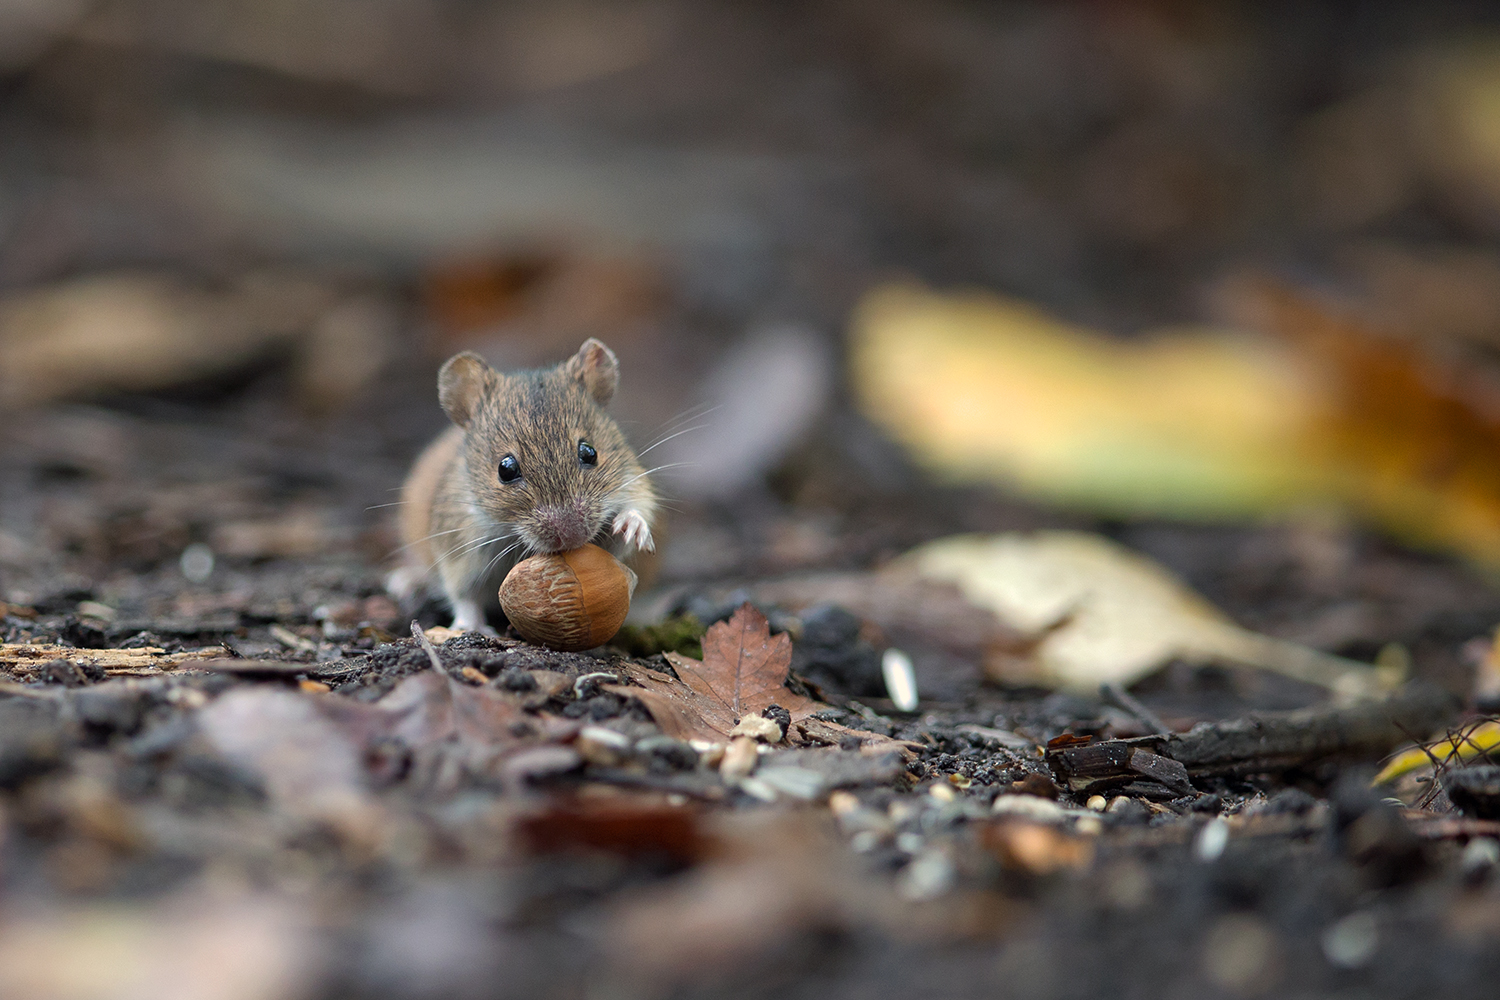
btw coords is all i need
(843, 803)
(930, 875)
(197, 562)
(739, 758)
(1042, 810)
(602, 746)
(900, 679)
(797, 782)
(1353, 941)
(1097, 803)
(1480, 855)
(758, 727)
(758, 789)
(1241, 954)
(1211, 840)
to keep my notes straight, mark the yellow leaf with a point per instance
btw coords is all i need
(1463, 746)
(1187, 423)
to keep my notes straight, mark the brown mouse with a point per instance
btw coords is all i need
(531, 464)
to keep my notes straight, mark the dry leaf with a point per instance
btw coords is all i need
(743, 672)
(1103, 613)
(1321, 410)
(310, 766)
(1407, 434)
(981, 387)
(134, 332)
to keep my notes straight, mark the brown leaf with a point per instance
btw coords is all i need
(743, 672)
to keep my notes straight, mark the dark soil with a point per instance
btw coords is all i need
(560, 846)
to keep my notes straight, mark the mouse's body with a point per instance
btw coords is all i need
(531, 464)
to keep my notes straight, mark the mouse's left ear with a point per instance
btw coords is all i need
(595, 366)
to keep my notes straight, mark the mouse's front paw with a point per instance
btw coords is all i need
(632, 526)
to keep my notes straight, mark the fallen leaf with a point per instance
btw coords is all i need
(631, 826)
(743, 672)
(1307, 406)
(310, 766)
(139, 332)
(1407, 432)
(1473, 741)
(1200, 423)
(1102, 613)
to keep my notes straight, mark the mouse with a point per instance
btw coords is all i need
(532, 464)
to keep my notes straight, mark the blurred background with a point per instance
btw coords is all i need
(1221, 280)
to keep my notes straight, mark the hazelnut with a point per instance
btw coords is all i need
(568, 601)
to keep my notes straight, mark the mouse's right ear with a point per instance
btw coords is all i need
(462, 382)
(596, 368)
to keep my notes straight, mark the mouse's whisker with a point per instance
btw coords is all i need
(643, 475)
(419, 541)
(464, 548)
(669, 437)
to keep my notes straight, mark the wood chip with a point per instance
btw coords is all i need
(145, 661)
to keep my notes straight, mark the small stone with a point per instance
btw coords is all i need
(666, 754)
(840, 803)
(910, 843)
(758, 727)
(1211, 840)
(1480, 855)
(930, 875)
(943, 793)
(1029, 806)
(541, 763)
(602, 746)
(796, 782)
(1241, 954)
(515, 679)
(1098, 803)
(780, 716)
(1352, 942)
(758, 789)
(740, 759)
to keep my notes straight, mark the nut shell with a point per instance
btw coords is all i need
(568, 601)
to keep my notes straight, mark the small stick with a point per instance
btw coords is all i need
(426, 643)
(1117, 696)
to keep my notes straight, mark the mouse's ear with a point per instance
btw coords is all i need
(595, 366)
(461, 385)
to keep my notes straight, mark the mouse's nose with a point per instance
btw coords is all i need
(562, 527)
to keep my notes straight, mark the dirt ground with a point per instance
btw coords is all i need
(229, 769)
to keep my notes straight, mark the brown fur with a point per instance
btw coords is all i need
(458, 517)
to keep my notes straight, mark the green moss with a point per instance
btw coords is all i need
(680, 634)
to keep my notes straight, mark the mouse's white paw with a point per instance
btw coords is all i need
(631, 525)
(402, 584)
(468, 616)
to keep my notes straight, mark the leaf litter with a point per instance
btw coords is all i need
(743, 672)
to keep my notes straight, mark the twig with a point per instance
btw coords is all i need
(1117, 696)
(1271, 742)
(426, 643)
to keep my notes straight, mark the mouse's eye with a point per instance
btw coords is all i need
(586, 453)
(510, 469)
